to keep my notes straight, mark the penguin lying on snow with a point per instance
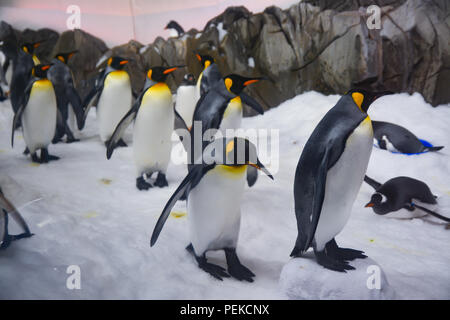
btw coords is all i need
(395, 138)
(115, 97)
(61, 77)
(6, 208)
(398, 193)
(215, 188)
(38, 114)
(328, 177)
(153, 129)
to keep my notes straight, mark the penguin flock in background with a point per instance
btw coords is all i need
(331, 169)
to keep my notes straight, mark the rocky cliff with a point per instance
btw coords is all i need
(320, 45)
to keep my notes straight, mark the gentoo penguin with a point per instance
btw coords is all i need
(61, 77)
(22, 64)
(328, 177)
(186, 99)
(6, 209)
(215, 187)
(175, 29)
(395, 138)
(401, 193)
(153, 129)
(38, 114)
(115, 97)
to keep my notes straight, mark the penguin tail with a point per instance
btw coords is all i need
(299, 247)
(434, 148)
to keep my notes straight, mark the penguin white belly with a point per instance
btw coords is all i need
(186, 102)
(71, 119)
(39, 116)
(343, 182)
(214, 212)
(114, 102)
(232, 117)
(152, 136)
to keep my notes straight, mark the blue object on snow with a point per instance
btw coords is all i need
(424, 142)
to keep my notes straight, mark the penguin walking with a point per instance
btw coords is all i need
(153, 128)
(175, 29)
(328, 177)
(38, 114)
(115, 98)
(398, 139)
(401, 193)
(186, 99)
(215, 188)
(62, 79)
(6, 209)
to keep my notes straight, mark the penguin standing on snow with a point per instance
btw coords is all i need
(38, 114)
(61, 77)
(215, 188)
(186, 99)
(153, 129)
(175, 29)
(328, 177)
(6, 209)
(401, 193)
(398, 139)
(115, 98)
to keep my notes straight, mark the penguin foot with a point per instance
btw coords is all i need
(26, 151)
(161, 180)
(214, 270)
(235, 268)
(35, 158)
(70, 140)
(343, 254)
(46, 157)
(141, 184)
(328, 262)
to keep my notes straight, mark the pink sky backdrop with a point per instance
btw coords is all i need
(113, 20)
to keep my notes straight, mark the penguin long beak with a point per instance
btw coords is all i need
(369, 205)
(261, 167)
(172, 69)
(124, 62)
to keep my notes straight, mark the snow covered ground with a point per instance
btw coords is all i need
(91, 215)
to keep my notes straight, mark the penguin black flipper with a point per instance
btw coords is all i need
(192, 177)
(21, 109)
(252, 175)
(95, 92)
(76, 103)
(127, 119)
(180, 124)
(252, 103)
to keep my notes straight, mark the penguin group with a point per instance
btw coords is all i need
(332, 167)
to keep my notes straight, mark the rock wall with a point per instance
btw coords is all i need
(320, 45)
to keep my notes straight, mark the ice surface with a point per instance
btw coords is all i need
(92, 215)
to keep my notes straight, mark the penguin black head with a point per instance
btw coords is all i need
(64, 57)
(175, 25)
(205, 60)
(159, 74)
(234, 152)
(117, 63)
(236, 83)
(188, 79)
(375, 200)
(364, 98)
(40, 71)
(29, 47)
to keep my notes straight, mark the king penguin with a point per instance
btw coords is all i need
(38, 114)
(186, 99)
(153, 129)
(115, 97)
(66, 95)
(7, 209)
(328, 177)
(215, 187)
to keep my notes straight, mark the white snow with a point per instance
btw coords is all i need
(222, 31)
(251, 62)
(91, 215)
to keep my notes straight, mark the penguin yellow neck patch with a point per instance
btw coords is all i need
(231, 171)
(358, 99)
(235, 105)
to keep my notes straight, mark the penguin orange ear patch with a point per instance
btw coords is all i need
(109, 61)
(228, 83)
(358, 98)
(149, 73)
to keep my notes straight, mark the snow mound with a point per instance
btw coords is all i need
(303, 278)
